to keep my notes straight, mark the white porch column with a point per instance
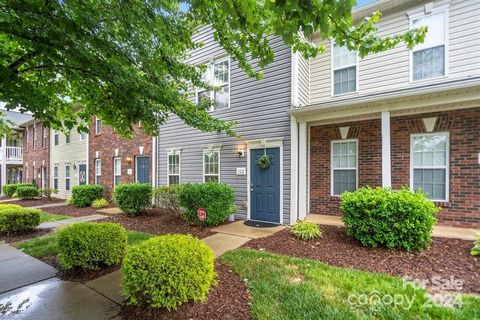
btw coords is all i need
(386, 159)
(302, 170)
(293, 170)
(3, 168)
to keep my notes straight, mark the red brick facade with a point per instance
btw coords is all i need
(103, 145)
(463, 207)
(36, 154)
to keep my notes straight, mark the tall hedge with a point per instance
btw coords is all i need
(218, 200)
(133, 198)
(83, 196)
(395, 219)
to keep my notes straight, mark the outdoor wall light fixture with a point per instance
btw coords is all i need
(241, 152)
(129, 160)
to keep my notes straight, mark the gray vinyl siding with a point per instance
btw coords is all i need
(261, 110)
(390, 70)
(303, 81)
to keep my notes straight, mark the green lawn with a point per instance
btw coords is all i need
(284, 287)
(49, 217)
(47, 245)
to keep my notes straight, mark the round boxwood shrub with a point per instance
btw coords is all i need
(167, 271)
(306, 230)
(83, 196)
(133, 198)
(14, 219)
(89, 245)
(395, 219)
(218, 200)
(27, 192)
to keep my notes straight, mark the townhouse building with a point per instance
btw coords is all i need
(36, 153)
(336, 122)
(114, 160)
(398, 118)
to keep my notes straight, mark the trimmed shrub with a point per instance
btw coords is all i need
(403, 219)
(83, 196)
(218, 200)
(99, 203)
(7, 206)
(10, 189)
(89, 245)
(305, 230)
(133, 198)
(476, 246)
(167, 271)
(27, 192)
(167, 197)
(14, 220)
(48, 192)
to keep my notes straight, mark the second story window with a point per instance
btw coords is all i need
(83, 136)
(55, 138)
(217, 74)
(44, 137)
(67, 137)
(34, 136)
(344, 70)
(428, 58)
(98, 126)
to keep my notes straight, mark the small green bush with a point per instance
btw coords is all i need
(47, 193)
(403, 219)
(7, 206)
(83, 196)
(133, 198)
(27, 192)
(10, 189)
(89, 245)
(14, 220)
(167, 271)
(99, 203)
(305, 230)
(476, 246)
(167, 197)
(218, 200)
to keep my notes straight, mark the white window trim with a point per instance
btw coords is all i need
(98, 128)
(55, 177)
(98, 173)
(68, 177)
(56, 136)
(413, 16)
(82, 136)
(210, 76)
(174, 152)
(331, 164)
(114, 168)
(44, 137)
(34, 136)
(446, 167)
(217, 150)
(332, 72)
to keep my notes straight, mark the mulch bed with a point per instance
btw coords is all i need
(17, 237)
(157, 221)
(228, 300)
(71, 211)
(35, 202)
(445, 258)
(76, 274)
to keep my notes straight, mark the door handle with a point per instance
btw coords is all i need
(251, 186)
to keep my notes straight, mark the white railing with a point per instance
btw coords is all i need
(14, 153)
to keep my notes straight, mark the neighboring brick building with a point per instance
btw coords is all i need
(36, 153)
(114, 159)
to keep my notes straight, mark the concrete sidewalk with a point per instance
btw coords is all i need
(59, 223)
(438, 230)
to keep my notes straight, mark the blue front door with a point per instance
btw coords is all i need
(82, 174)
(265, 186)
(143, 169)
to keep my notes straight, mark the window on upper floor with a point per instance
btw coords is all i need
(344, 166)
(44, 137)
(55, 138)
(98, 126)
(173, 168)
(217, 74)
(67, 137)
(430, 164)
(429, 58)
(344, 70)
(211, 166)
(34, 136)
(83, 136)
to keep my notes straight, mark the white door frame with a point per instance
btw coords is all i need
(262, 144)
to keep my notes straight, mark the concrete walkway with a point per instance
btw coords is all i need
(438, 230)
(49, 205)
(59, 223)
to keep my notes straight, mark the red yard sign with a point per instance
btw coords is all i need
(201, 214)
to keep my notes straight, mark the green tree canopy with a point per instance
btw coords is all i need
(124, 60)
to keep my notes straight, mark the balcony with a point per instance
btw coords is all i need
(13, 155)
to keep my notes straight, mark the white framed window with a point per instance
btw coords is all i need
(55, 138)
(55, 177)
(26, 139)
(98, 126)
(83, 136)
(344, 70)
(34, 136)
(98, 171)
(429, 59)
(67, 177)
(117, 171)
(344, 166)
(429, 164)
(67, 137)
(211, 165)
(44, 136)
(217, 74)
(173, 168)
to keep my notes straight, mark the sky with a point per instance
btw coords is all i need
(361, 3)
